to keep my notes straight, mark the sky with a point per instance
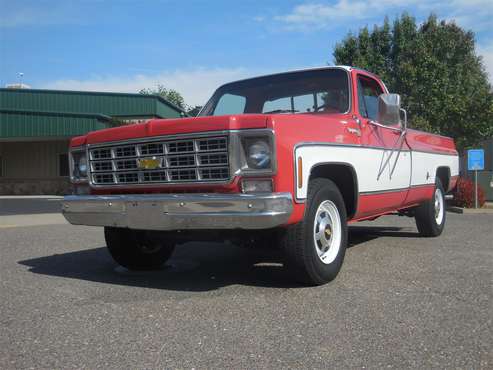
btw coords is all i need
(193, 46)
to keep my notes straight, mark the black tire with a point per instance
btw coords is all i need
(299, 246)
(136, 249)
(428, 222)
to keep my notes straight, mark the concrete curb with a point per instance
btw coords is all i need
(478, 211)
(460, 210)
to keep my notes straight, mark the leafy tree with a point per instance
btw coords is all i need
(443, 83)
(193, 111)
(170, 95)
(174, 97)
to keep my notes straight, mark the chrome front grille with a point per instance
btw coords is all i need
(169, 161)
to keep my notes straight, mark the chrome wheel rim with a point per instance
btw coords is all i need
(327, 232)
(439, 206)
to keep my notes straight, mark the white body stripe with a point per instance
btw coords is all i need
(373, 170)
(428, 163)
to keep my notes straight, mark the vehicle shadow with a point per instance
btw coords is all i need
(195, 267)
(359, 235)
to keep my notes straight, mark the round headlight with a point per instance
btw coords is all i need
(259, 155)
(82, 166)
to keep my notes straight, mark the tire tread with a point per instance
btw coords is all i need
(425, 216)
(298, 262)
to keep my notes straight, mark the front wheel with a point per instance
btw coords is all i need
(314, 248)
(137, 249)
(431, 215)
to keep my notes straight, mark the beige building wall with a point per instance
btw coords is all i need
(32, 167)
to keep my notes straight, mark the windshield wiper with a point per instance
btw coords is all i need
(282, 111)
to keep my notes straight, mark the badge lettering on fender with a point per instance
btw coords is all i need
(355, 131)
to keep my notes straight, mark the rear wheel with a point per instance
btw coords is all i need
(314, 248)
(431, 215)
(137, 249)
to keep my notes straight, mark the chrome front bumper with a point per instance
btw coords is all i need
(179, 211)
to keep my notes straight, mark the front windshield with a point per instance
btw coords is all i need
(322, 91)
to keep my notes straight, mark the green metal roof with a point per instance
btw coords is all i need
(41, 113)
(30, 125)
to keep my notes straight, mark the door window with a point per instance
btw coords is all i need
(368, 92)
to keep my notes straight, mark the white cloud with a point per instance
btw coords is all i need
(473, 14)
(321, 15)
(324, 15)
(486, 51)
(472, 3)
(40, 14)
(196, 85)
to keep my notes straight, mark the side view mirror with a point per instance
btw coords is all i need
(389, 109)
(389, 113)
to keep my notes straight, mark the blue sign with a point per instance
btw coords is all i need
(475, 159)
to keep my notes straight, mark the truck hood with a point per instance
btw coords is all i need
(163, 127)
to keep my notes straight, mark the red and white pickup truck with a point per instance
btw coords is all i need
(287, 159)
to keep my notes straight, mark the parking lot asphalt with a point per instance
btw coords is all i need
(400, 301)
(30, 211)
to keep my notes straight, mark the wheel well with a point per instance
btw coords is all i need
(344, 176)
(443, 173)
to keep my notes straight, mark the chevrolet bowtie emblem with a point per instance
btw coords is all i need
(149, 163)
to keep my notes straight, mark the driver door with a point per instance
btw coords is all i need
(389, 175)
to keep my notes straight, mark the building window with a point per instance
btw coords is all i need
(63, 165)
(1, 166)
